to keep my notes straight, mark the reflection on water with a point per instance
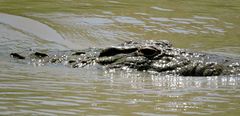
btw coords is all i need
(54, 90)
(33, 28)
(173, 82)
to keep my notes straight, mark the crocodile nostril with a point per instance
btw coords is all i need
(17, 56)
(149, 51)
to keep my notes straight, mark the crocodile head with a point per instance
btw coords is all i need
(156, 56)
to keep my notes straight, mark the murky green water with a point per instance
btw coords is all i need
(202, 25)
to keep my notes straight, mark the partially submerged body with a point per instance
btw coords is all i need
(148, 55)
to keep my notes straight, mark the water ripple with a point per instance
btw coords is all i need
(161, 9)
(193, 25)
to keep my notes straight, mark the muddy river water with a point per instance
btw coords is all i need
(201, 25)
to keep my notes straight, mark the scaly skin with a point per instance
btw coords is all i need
(148, 55)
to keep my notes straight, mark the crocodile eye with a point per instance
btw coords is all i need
(109, 52)
(114, 51)
(149, 51)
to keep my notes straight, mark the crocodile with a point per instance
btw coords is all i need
(154, 56)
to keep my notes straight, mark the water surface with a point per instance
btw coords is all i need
(203, 25)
